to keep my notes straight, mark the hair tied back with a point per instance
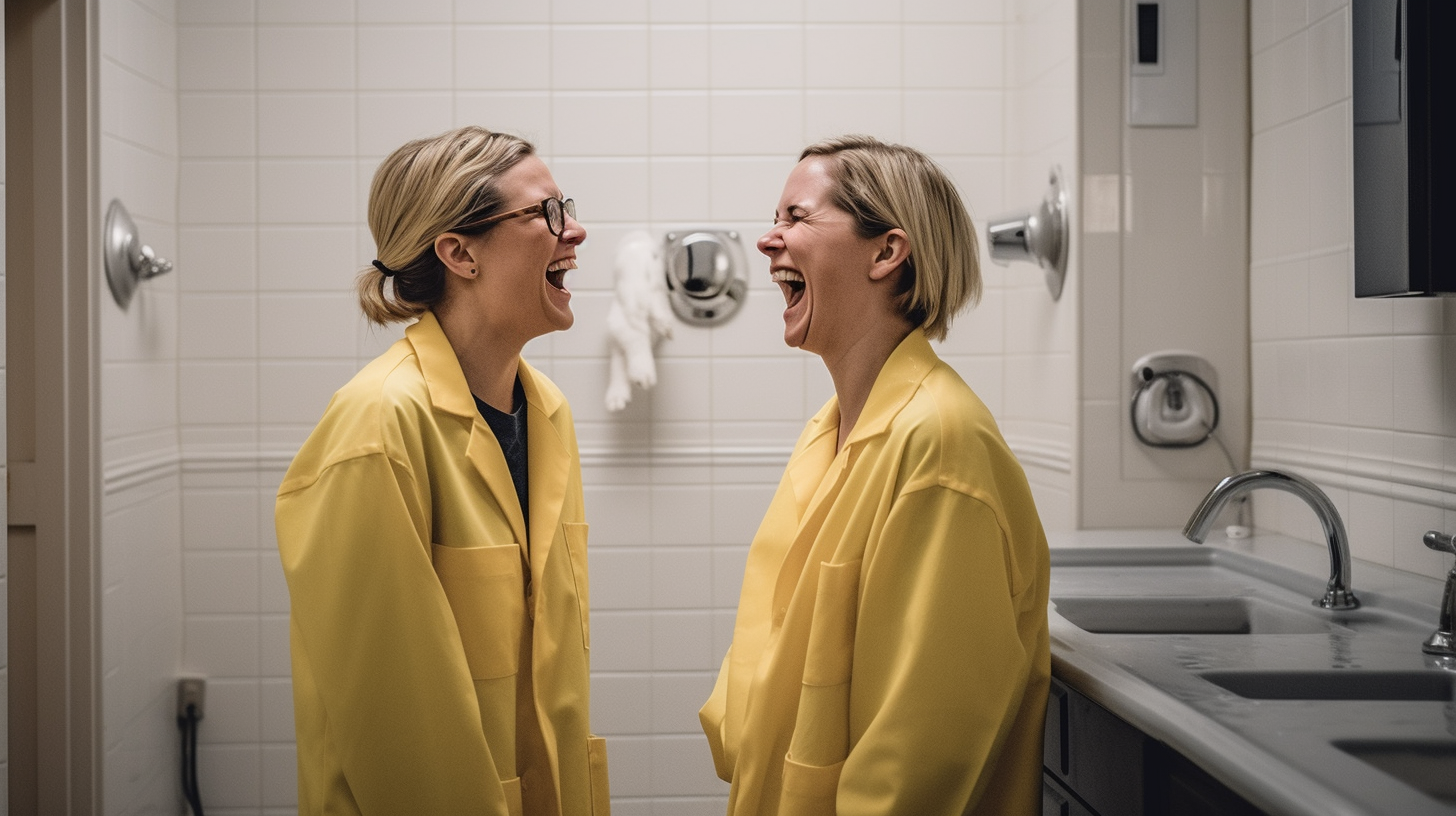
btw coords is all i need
(383, 270)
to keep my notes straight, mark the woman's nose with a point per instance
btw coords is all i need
(770, 241)
(572, 232)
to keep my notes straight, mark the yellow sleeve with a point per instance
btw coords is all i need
(939, 668)
(387, 699)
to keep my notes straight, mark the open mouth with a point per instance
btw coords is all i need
(556, 273)
(791, 282)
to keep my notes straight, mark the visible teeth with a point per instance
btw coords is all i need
(562, 265)
(786, 276)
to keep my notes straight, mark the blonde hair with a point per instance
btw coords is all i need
(885, 186)
(428, 187)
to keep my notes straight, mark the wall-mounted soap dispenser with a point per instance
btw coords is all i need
(1401, 58)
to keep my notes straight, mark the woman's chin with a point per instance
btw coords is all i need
(558, 310)
(796, 323)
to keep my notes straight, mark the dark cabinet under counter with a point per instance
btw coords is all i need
(1096, 764)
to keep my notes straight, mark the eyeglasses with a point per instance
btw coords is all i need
(555, 210)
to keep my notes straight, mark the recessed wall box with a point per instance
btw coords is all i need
(1162, 63)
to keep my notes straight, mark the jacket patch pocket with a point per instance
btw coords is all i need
(575, 534)
(831, 633)
(809, 790)
(512, 790)
(821, 726)
(486, 591)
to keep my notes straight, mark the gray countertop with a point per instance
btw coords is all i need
(1280, 754)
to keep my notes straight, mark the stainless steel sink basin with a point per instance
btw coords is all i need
(1219, 654)
(1183, 615)
(1428, 766)
(1345, 684)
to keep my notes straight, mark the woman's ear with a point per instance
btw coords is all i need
(893, 249)
(450, 248)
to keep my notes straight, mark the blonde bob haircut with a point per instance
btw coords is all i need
(884, 186)
(425, 188)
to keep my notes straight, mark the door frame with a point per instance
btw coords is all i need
(52, 428)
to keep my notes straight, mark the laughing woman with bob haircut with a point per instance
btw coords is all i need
(890, 653)
(431, 527)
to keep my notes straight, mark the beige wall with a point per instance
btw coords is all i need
(1358, 395)
(1164, 256)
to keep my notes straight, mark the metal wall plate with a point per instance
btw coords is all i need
(707, 278)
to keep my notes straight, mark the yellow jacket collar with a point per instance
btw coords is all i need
(446, 381)
(899, 378)
(896, 383)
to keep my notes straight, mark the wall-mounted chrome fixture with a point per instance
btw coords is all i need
(707, 278)
(1039, 236)
(128, 260)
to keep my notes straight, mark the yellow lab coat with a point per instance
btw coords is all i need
(440, 665)
(890, 653)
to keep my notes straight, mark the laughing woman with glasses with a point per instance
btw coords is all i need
(431, 527)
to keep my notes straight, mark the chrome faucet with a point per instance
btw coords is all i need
(1443, 641)
(1338, 594)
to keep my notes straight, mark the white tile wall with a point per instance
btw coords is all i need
(141, 570)
(1356, 394)
(259, 127)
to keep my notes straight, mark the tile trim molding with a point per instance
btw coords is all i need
(134, 471)
(1404, 481)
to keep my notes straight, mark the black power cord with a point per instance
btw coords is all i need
(187, 723)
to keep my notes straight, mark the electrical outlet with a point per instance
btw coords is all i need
(190, 692)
